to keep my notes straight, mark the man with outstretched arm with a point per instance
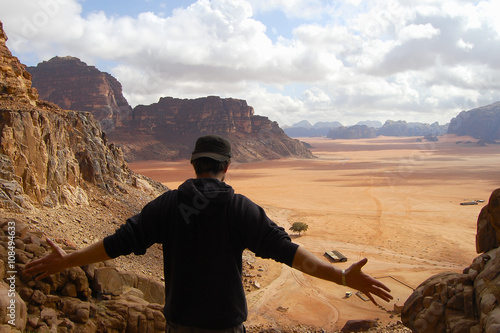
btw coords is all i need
(204, 226)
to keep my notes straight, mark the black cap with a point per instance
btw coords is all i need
(212, 146)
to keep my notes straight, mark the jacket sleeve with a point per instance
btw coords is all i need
(262, 236)
(140, 231)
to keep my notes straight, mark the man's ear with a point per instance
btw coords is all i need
(227, 167)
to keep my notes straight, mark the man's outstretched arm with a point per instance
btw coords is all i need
(59, 260)
(308, 263)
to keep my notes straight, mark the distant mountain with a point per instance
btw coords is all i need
(327, 124)
(305, 129)
(402, 128)
(390, 128)
(352, 132)
(302, 124)
(370, 123)
(481, 123)
(364, 129)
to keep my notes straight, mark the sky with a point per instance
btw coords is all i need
(291, 60)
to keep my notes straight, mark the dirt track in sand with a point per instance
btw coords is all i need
(393, 200)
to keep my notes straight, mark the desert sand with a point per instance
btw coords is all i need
(392, 200)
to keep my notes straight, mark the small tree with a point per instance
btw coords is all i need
(299, 227)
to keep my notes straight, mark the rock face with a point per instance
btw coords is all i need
(15, 81)
(481, 123)
(73, 85)
(56, 165)
(169, 128)
(50, 157)
(467, 302)
(165, 130)
(488, 225)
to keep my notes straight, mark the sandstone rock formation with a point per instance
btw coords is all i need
(165, 130)
(467, 302)
(59, 174)
(15, 81)
(50, 156)
(73, 85)
(488, 225)
(169, 128)
(481, 123)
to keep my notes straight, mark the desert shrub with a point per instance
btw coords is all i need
(299, 227)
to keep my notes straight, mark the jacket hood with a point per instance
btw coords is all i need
(205, 194)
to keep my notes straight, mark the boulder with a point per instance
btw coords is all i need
(467, 301)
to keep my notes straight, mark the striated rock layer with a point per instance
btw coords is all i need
(466, 302)
(50, 156)
(73, 85)
(169, 128)
(164, 130)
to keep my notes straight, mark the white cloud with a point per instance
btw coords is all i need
(417, 31)
(354, 59)
(465, 45)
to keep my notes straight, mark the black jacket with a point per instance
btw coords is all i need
(204, 228)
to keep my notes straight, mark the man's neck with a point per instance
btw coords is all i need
(220, 176)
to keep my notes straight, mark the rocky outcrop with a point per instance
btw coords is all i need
(49, 156)
(94, 298)
(59, 173)
(488, 225)
(73, 85)
(165, 130)
(169, 128)
(466, 302)
(402, 128)
(482, 123)
(352, 132)
(15, 81)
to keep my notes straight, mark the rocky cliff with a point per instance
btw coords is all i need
(481, 123)
(61, 177)
(50, 156)
(467, 301)
(169, 128)
(73, 85)
(164, 130)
